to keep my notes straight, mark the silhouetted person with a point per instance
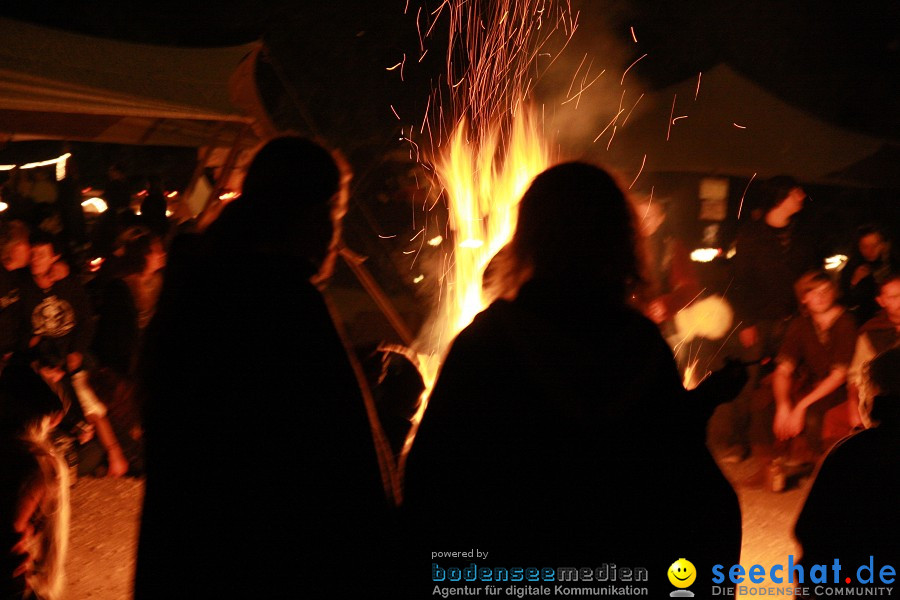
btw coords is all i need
(15, 252)
(124, 295)
(153, 208)
(851, 511)
(262, 478)
(397, 387)
(558, 432)
(117, 215)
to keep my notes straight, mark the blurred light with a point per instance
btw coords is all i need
(836, 262)
(418, 279)
(171, 194)
(228, 196)
(435, 241)
(143, 193)
(169, 213)
(472, 244)
(61, 166)
(3, 206)
(731, 252)
(94, 205)
(705, 255)
(47, 163)
(59, 161)
(95, 264)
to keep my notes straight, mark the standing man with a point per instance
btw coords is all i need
(262, 474)
(59, 326)
(770, 257)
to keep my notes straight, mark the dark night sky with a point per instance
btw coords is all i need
(840, 61)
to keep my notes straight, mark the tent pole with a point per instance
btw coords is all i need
(202, 162)
(355, 262)
(213, 205)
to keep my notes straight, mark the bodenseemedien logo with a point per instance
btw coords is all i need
(682, 574)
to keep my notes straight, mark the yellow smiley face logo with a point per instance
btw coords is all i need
(682, 573)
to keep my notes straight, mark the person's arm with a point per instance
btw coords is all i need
(844, 337)
(782, 379)
(789, 356)
(835, 379)
(117, 463)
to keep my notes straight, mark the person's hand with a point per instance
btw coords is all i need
(861, 272)
(118, 465)
(796, 422)
(86, 434)
(781, 424)
(656, 311)
(749, 336)
(51, 374)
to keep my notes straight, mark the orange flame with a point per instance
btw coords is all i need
(485, 160)
(483, 196)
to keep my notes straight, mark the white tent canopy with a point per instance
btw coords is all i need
(66, 86)
(55, 84)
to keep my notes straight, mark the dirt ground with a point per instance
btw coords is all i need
(106, 514)
(103, 539)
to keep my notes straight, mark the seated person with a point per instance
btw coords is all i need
(870, 262)
(878, 334)
(811, 367)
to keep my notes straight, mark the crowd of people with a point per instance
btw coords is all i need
(807, 335)
(231, 387)
(70, 330)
